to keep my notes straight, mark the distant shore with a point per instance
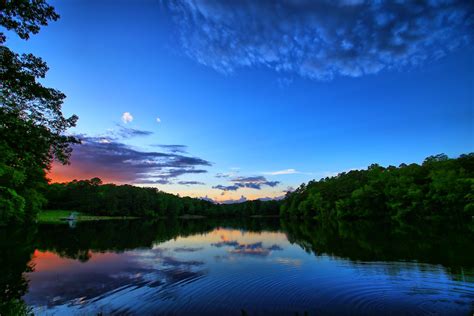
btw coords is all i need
(59, 216)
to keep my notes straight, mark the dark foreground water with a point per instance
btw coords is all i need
(251, 267)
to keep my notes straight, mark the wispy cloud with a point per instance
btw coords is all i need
(321, 39)
(281, 172)
(222, 175)
(226, 174)
(190, 183)
(128, 132)
(121, 132)
(173, 148)
(127, 117)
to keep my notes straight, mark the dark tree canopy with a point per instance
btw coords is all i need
(25, 17)
(32, 124)
(439, 188)
(93, 197)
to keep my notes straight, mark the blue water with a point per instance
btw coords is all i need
(224, 270)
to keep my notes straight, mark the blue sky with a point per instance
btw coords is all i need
(264, 95)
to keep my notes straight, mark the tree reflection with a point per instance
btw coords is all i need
(449, 245)
(16, 249)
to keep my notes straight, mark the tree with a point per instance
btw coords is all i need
(32, 124)
(439, 188)
(25, 17)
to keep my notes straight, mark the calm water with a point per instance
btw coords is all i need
(254, 267)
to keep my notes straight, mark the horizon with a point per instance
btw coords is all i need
(300, 97)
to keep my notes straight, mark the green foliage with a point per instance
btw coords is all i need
(25, 16)
(12, 205)
(93, 197)
(440, 187)
(32, 125)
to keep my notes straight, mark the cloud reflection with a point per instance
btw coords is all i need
(256, 249)
(77, 283)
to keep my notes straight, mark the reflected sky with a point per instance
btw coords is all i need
(228, 270)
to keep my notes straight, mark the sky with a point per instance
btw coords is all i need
(235, 100)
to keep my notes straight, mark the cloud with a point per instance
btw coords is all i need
(233, 173)
(122, 132)
(118, 162)
(254, 249)
(281, 172)
(226, 187)
(128, 132)
(224, 175)
(187, 249)
(226, 243)
(127, 117)
(255, 182)
(191, 183)
(289, 261)
(321, 39)
(174, 262)
(145, 269)
(104, 141)
(173, 148)
(158, 120)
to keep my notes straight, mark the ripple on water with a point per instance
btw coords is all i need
(273, 283)
(286, 290)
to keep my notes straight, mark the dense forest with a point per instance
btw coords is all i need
(93, 197)
(440, 187)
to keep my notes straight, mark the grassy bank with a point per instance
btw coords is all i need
(56, 216)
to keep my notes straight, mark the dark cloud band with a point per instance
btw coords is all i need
(247, 182)
(131, 165)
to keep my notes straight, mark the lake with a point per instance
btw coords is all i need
(238, 267)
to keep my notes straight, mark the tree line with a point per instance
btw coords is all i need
(439, 187)
(93, 197)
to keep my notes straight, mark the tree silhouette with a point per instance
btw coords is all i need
(32, 125)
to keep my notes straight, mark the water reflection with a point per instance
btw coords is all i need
(259, 266)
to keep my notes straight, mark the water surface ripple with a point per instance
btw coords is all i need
(193, 268)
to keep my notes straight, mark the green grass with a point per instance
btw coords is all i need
(55, 216)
